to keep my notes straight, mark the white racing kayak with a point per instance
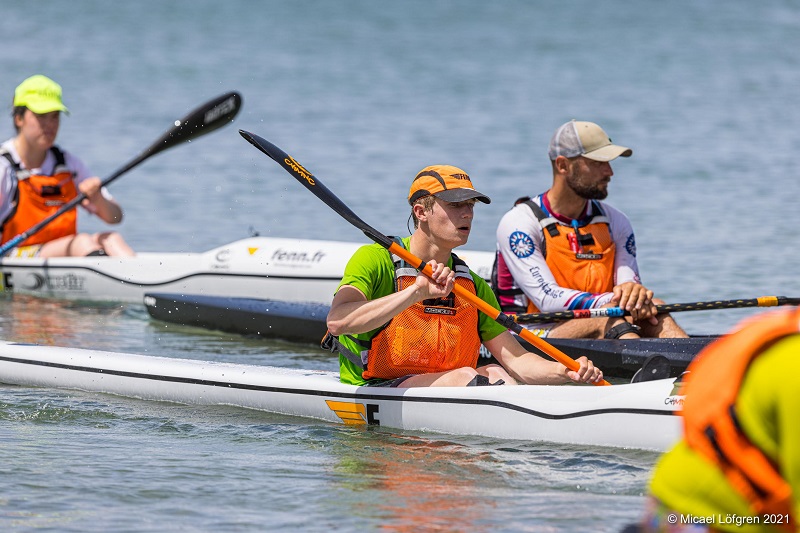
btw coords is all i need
(637, 415)
(292, 270)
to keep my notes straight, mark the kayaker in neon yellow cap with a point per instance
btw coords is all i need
(37, 178)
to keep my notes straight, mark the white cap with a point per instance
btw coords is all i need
(586, 139)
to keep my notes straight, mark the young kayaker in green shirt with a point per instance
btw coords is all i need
(395, 327)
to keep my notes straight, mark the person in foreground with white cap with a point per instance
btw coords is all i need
(394, 327)
(567, 250)
(37, 178)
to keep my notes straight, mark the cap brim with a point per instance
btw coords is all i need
(461, 195)
(41, 109)
(608, 153)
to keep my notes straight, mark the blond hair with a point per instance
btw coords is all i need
(427, 204)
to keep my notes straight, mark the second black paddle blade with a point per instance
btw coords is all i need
(654, 367)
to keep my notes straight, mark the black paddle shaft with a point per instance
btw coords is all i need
(319, 189)
(763, 301)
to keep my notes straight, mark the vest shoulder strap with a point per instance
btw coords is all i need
(15, 166)
(61, 161)
(547, 222)
(15, 170)
(599, 214)
(59, 155)
(459, 266)
(7, 155)
(333, 345)
(402, 268)
(20, 173)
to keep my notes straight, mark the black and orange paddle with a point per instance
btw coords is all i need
(762, 301)
(313, 184)
(204, 119)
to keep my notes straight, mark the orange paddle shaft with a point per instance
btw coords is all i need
(493, 313)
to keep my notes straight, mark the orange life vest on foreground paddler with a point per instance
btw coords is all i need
(36, 197)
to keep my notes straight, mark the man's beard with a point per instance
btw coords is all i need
(598, 191)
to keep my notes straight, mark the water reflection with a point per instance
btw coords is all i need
(406, 482)
(53, 322)
(416, 483)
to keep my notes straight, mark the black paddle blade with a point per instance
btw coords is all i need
(310, 182)
(654, 367)
(208, 117)
(204, 119)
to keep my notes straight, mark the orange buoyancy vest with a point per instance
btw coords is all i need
(579, 258)
(430, 336)
(711, 427)
(36, 197)
(434, 335)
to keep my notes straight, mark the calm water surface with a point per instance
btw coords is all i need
(364, 94)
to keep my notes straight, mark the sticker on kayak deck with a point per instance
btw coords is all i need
(355, 414)
(521, 244)
(676, 396)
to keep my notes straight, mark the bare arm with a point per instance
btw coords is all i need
(106, 209)
(351, 313)
(527, 367)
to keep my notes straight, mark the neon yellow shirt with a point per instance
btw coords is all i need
(768, 408)
(371, 271)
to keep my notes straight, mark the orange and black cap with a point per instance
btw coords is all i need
(445, 182)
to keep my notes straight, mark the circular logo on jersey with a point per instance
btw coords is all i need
(630, 245)
(521, 244)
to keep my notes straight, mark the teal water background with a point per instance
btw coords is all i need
(364, 94)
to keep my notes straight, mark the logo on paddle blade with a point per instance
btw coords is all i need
(355, 414)
(298, 168)
(219, 110)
